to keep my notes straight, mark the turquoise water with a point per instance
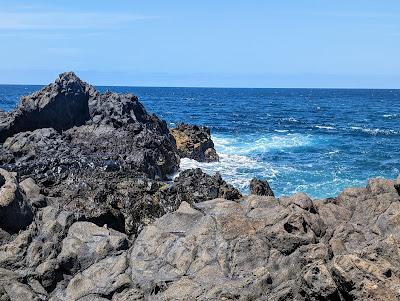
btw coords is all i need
(314, 140)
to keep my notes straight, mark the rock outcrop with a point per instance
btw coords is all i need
(89, 152)
(102, 131)
(267, 249)
(260, 187)
(195, 143)
(60, 105)
(195, 186)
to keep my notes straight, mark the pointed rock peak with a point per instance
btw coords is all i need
(60, 105)
(71, 80)
(69, 76)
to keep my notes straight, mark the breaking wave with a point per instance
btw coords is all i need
(374, 132)
(240, 159)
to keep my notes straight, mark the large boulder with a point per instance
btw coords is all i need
(15, 211)
(194, 142)
(60, 105)
(195, 186)
(87, 243)
(102, 278)
(260, 187)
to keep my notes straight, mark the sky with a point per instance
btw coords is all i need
(314, 44)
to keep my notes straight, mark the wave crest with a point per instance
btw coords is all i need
(250, 145)
(374, 132)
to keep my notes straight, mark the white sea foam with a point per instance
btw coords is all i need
(391, 116)
(325, 127)
(291, 120)
(247, 145)
(375, 131)
(238, 164)
(336, 151)
(235, 169)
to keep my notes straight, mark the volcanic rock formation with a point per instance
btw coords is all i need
(194, 142)
(260, 187)
(271, 249)
(60, 105)
(88, 151)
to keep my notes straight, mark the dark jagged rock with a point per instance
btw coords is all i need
(195, 186)
(260, 187)
(88, 176)
(194, 142)
(82, 167)
(112, 132)
(60, 105)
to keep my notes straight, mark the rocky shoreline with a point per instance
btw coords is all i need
(87, 212)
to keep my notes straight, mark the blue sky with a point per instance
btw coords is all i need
(321, 43)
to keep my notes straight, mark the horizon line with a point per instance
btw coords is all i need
(215, 87)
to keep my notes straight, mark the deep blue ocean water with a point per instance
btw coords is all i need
(314, 140)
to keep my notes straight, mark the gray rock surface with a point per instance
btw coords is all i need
(87, 243)
(272, 249)
(33, 193)
(15, 211)
(102, 278)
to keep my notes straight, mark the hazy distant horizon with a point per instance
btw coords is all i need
(217, 81)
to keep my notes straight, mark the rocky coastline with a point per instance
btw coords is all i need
(88, 212)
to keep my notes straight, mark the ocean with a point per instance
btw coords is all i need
(318, 141)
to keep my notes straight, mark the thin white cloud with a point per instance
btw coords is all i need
(65, 20)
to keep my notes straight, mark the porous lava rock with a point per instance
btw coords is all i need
(195, 143)
(89, 152)
(263, 248)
